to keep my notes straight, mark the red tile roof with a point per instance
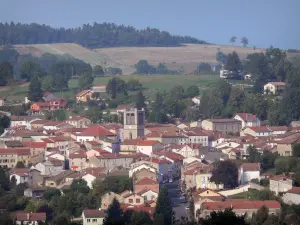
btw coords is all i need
(18, 151)
(160, 161)
(96, 131)
(131, 141)
(247, 116)
(225, 120)
(277, 83)
(146, 181)
(83, 92)
(78, 154)
(294, 190)
(217, 206)
(250, 166)
(147, 142)
(35, 144)
(75, 118)
(171, 155)
(31, 216)
(280, 177)
(19, 171)
(94, 213)
(121, 107)
(268, 128)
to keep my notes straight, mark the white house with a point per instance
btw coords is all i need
(50, 168)
(93, 216)
(148, 195)
(247, 119)
(196, 100)
(264, 131)
(292, 196)
(20, 174)
(248, 172)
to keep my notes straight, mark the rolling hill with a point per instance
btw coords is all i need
(185, 57)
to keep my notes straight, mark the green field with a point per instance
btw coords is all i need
(151, 84)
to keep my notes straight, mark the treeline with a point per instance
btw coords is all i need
(90, 35)
(143, 67)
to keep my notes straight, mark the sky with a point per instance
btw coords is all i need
(263, 22)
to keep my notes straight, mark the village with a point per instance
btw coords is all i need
(48, 154)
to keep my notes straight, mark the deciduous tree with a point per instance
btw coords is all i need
(225, 172)
(35, 92)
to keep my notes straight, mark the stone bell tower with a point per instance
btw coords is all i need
(134, 120)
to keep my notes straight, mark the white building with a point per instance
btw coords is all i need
(93, 217)
(247, 119)
(292, 196)
(248, 172)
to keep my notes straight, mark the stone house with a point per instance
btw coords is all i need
(142, 173)
(78, 160)
(78, 121)
(148, 195)
(224, 126)
(59, 179)
(280, 183)
(274, 88)
(285, 146)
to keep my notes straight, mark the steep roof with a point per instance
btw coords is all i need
(250, 166)
(18, 151)
(146, 181)
(83, 92)
(277, 83)
(217, 206)
(78, 154)
(94, 213)
(294, 190)
(96, 130)
(247, 116)
(31, 216)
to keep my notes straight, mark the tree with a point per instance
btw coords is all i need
(254, 155)
(114, 71)
(142, 67)
(225, 172)
(140, 100)
(233, 62)
(134, 85)
(4, 123)
(296, 149)
(94, 114)
(192, 91)
(162, 69)
(244, 41)
(80, 185)
(236, 101)
(233, 39)
(177, 92)
(85, 81)
(219, 218)
(47, 83)
(58, 115)
(114, 214)
(203, 68)
(35, 92)
(13, 182)
(116, 86)
(221, 57)
(98, 71)
(6, 73)
(164, 207)
(140, 218)
(31, 69)
(20, 164)
(261, 216)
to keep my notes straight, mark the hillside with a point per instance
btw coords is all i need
(185, 57)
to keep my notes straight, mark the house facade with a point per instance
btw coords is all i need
(224, 126)
(247, 119)
(274, 88)
(248, 172)
(93, 217)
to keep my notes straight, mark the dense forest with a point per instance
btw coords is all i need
(91, 36)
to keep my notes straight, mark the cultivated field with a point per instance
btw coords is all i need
(151, 84)
(185, 57)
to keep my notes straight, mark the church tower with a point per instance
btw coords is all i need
(133, 123)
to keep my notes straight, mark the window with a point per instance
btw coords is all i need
(94, 220)
(138, 200)
(88, 220)
(130, 200)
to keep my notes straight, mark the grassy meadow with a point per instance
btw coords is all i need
(151, 84)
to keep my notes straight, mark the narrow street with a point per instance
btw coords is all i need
(174, 194)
